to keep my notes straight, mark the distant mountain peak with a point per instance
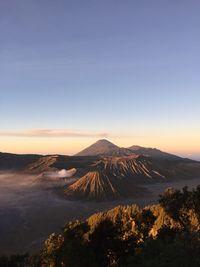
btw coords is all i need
(104, 147)
(104, 141)
(101, 147)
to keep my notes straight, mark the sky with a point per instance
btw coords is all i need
(74, 71)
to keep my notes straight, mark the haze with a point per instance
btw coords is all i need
(27, 202)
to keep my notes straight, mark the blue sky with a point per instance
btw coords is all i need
(129, 69)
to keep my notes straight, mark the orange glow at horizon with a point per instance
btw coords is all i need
(181, 145)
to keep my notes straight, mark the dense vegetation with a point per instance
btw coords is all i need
(161, 235)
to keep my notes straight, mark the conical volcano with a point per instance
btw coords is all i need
(104, 148)
(97, 185)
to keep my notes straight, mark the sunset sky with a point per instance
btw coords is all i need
(73, 72)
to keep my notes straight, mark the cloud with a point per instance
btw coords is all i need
(60, 174)
(52, 133)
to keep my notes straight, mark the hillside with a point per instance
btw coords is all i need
(98, 186)
(9, 161)
(58, 162)
(158, 235)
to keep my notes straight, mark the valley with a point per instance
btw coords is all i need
(39, 194)
(29, 212)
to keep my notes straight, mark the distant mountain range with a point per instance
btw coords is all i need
(105, 171)
(105, 148)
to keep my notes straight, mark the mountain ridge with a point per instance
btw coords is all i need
(103, 147)
(152, 152)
